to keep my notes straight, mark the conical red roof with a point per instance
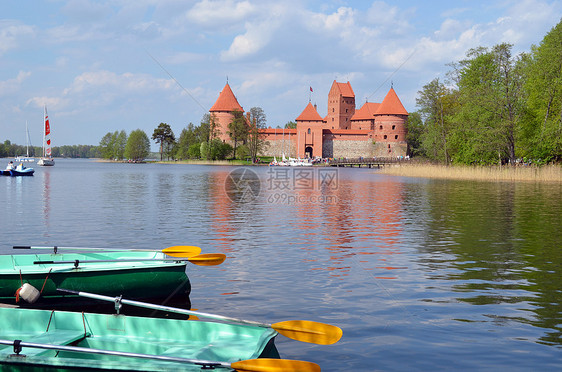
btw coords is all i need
(366, 112)
(226, 101)
(391, 105)
(309, 114)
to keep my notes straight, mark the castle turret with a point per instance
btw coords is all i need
(222, 111)
(391, 124)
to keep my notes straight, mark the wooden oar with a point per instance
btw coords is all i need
(174, 251)
(205, 259)
(250, 365)
(300, 330)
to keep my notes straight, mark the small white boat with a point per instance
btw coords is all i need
(298, 162)
(47, 159)
(25, 158)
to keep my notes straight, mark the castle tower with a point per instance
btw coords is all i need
(309, 132)
(222, 110)
(341, 106)
(364, 118)
(390, 125)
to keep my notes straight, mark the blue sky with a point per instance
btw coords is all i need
(97, 64)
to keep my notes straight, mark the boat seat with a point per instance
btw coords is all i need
(60, 337)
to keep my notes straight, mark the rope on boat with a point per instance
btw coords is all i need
(45, 282)
(84, 322)
(17, 294)
(51, 317)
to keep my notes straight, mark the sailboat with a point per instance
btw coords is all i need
(25, 158)
(47, 159)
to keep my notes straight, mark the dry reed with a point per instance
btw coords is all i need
(549, 173)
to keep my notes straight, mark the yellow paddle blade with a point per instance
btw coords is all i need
(192, 317)
(275, 365)
(182, 251)
(308, 331)
(207, 259)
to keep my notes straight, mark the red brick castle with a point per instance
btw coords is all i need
(376, 129)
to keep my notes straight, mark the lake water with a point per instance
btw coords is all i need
(420, 274)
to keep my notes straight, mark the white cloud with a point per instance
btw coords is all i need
(340, 21)
(220, 12)
(11, 33)
(259, 33)
(270, 74)
(255, 38)
(52, 102)
(124, 83)
(10, 85)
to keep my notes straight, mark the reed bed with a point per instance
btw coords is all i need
(547, 173)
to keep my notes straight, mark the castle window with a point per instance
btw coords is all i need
(396, 137)
(333, 109)
(385, 136)
(308, 130)
(394, 126)
(380, 127)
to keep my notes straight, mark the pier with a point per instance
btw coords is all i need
(367, 162)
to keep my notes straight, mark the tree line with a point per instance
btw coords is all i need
(8, 149)
(493, 107)
(194, 142)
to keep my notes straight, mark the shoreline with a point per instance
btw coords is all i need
(546, 173)
(543, 174)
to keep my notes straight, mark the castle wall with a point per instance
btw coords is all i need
(361, 147)
(362, 125)
(278, 147)
(390, 149)
(336, 147)
(391, 128)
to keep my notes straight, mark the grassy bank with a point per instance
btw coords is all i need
(206, 162)
(550, 173)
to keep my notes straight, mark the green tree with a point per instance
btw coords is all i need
(5, 149)
(165, 137)
(491, 105)
(436, 103)
(256, 139)
(238, 129)
(215, 150)
(194, 151)
(544, 87)
(209, 131)
(415, 132)
(188, 137)
(138, 146)
(119, 145)
(291, 125)
(106, 146)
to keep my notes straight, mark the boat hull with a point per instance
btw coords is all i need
(140, 280)
(25, 172)
(46, 162)
(209, 341)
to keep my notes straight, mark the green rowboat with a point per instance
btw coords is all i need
(134, 274)
(61, 340)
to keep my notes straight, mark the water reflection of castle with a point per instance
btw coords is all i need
(359, 227)
(376, 129)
